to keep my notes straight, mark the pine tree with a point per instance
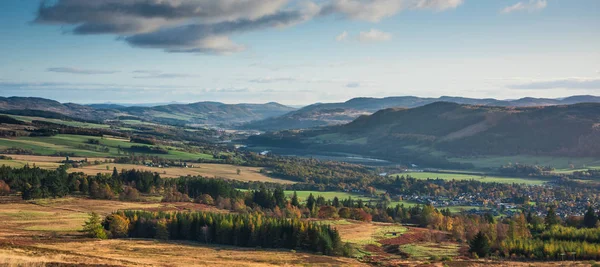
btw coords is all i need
(295, 201)
(590, 218)
(480, 245)
(336, 202)
(311, 202)
(93, 227)
(551, 218)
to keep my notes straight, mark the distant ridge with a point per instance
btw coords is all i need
(432, 133)
(205, 113)
(324, 114)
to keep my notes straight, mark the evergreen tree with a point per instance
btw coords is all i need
(336, 202)
(295, 201)
(590, 218)
(311, 202)
(115, 173)
(93, 227)
(480, 245)
(551, 218)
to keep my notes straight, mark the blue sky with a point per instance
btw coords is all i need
(297, 52)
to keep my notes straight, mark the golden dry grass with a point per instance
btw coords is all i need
(152, 253)
(41, 232)
(225, 171)
(362, 233)
(67, 215)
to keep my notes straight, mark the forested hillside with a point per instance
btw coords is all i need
(339, 113)
(211, 113)
(432, 132)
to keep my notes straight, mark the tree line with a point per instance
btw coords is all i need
(244, 230)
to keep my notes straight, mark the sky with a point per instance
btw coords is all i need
(297, 52)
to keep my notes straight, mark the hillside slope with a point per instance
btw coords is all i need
(317, 115)
(210, 113)
(443, 129)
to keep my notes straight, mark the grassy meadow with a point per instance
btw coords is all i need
(485, 162)
(476, 177)
(224, 171)
(67, 143)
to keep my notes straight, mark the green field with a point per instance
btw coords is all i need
(329, 195)
(480, 178)
(555, 162)
(69, 144)
(62, 122)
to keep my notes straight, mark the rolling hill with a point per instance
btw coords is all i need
(205, 113)
(432, 133)
(317, 115)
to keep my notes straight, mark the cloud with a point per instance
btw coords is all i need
(342, 36)
(155, 74)
(353, 85)
(272, 80)
(374, 36)
(530, 6)
(164, 76)
(376, 10)
(79, 71)
(567, 83)
(136, 16)
(206, 26)
(212, 38)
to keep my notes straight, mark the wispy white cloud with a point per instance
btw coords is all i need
(79, 71)
(374, 36)
(565, 83)
(342, 36)
(272, 80)
(353, 85)
(530, 6)
(376, 10)
(154, 74)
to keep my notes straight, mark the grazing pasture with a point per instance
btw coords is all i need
(62, 122)
(556, 162)
(476, 177)
(78, 146)
(225, 171)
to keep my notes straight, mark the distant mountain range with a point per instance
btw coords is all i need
(324, 114)
(433, 133)
(205, 113)
(269, 117)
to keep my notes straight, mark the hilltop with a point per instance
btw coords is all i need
(432, 133)
(324, 114)
(205, 113)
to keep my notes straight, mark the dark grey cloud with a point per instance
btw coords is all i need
(205, 26)
(134, 16)
(79, 71)
(569, 83)
(211, 38)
